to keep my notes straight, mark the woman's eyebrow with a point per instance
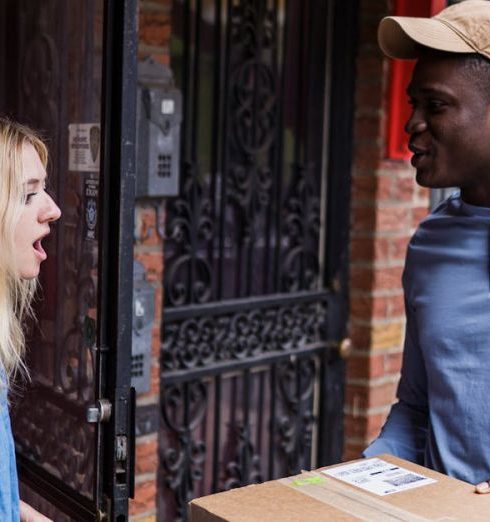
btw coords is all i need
(32, 181)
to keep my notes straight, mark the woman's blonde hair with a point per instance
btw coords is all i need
(16, 294)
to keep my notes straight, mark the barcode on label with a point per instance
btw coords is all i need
(404, 480)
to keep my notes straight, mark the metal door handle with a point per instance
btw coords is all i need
(344, 348)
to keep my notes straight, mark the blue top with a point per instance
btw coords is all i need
(9, 488)
(442, 419)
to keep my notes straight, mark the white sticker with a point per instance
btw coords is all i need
(84, 147)
(378, 476)
(168, 106)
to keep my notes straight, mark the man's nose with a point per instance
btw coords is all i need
(416, 123)
(50, 212)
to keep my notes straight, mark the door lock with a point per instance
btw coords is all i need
(99, 412)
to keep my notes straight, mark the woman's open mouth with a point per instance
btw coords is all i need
(39, 250)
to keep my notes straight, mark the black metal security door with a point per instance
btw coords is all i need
(255, 251)
(69, 70)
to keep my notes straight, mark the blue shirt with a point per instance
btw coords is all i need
(9, 488)
(442, 419)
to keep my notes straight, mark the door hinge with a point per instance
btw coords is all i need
(99, 412)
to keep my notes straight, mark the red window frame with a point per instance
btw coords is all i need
(400, 74)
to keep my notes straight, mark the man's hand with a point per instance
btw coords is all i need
(29, 514)
(483, 487)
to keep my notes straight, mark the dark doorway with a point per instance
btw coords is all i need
(256, 245)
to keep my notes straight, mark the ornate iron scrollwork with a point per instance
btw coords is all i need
(182, 456)
(200, 342)
(295, 426)
(245, 308)
(301, 232)
(189, 274)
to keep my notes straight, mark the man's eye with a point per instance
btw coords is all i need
(435, 105)
(29, 197)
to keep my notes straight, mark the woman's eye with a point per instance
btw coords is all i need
(29, 197)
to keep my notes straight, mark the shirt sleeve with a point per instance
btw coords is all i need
(405, 431)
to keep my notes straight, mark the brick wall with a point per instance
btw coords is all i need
(154, 34)
(386, 207)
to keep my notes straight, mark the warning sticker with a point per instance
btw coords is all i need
(378, 476)
(84, 147)
(91, 196)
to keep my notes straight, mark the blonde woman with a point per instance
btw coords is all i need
(26, 211)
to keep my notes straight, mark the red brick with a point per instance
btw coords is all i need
(422, 193)
(154, 381)
(364, 188)
(360, 335)
(155, 341)
(363, 219)
(367, 156)
(393, 362)
(370, 188)
(368, 29)
(393, 219)
(358, 366)
(158, 304)
(398, 247)
(403, 188)
(353, 451)
(418, 214)
(146, 456)
(163, 58)
(367, 307)
(369, 249)
(373, 366)
(361, 307)
(388, 278)
(370, 94)
(146, 227)
(144, 498)
(361, 249)
(397, 306)
(370, 66)
(375, 8)
(385, 188)
(377, 307)
(154, 28)
(153, 263)
(361, 278)
(367, 127)
(364, 427)
(363, 397)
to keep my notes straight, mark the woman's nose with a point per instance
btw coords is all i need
(51, 211)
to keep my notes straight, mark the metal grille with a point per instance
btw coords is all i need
(246, 350)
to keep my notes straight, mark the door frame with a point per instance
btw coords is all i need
(114, 466)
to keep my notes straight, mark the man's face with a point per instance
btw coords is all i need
(38, 212)
(449, 128)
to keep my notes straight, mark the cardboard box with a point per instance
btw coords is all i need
(314, 496)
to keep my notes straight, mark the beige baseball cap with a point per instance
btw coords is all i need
(460, 28)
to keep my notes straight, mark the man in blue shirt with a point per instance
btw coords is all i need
(442, 418)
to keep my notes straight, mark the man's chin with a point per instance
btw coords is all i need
(430, 180)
